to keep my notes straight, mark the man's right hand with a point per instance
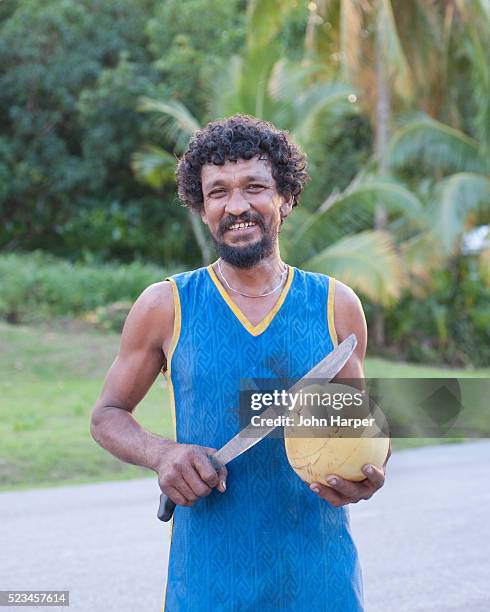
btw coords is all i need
(185, 473)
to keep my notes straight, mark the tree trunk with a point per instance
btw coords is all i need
(382, 135)
(200, 237)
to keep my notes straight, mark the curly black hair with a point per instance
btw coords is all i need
(241, 137)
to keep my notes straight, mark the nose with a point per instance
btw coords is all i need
(237, 204)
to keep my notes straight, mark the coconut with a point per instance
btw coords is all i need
(314, 452)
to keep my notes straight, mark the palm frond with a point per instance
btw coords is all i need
(288, 79)
(154, 166)
(366, 261)
(393, 196)
(436, 146)
(178, 121)
(243, 85)
(459, 196)
(265, 19)
(315, 101)
(227, 92)
(422, 254)
(479, 54)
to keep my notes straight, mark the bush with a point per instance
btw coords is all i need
(37, 286)
(450, 325)
(111, 317)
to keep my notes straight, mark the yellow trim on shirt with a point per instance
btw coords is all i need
(255, 330)
(330, 311)
(171, 350)
(171, 394)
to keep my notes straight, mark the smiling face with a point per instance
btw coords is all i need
(243, 210)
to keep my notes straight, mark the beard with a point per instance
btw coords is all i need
(249, 255)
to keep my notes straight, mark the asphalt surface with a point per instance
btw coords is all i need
(424, 539)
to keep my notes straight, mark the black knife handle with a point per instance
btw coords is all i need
(167, 506)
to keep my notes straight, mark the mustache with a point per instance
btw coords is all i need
(248, 217)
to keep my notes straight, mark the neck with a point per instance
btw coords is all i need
(261, 278)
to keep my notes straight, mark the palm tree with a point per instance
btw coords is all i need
(458, 193)
(293, 96)
(399, 55)
(368, 260)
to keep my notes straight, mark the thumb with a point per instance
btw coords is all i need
(222, 475)
(222, 472)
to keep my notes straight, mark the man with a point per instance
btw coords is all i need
(256, 537)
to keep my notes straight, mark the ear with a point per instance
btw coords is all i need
(203, 216)
(286, 207)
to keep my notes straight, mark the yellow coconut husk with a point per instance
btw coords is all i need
(315, 453)
(313, 459)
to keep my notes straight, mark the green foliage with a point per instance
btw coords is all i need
(7, 7)
(366, 261)
(37, 286)
(451, 322)
(189, 41)
(71, 127)
(110, 318)
(57, 153)
(361, 195)
(111, 127)
(335, 160)
(432, 146)
(71, 182)
(53, 377)
(461, 196)
(179, 123)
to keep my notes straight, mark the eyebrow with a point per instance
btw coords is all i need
(246, 179)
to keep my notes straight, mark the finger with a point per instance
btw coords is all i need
(177, 497)
(329, 494)
(187, 486)
(205, 470)
(197, 485)
(177, 481)
(174, 481)
(376, 477)
(222, 475)
(353, 490)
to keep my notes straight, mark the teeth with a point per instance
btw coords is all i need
(237, 226)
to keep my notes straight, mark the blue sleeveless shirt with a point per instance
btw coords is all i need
(268, 543)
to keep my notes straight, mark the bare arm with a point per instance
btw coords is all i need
(140, 359)
(184, 470)
(349, 318)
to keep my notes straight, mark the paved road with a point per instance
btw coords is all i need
(424, 540)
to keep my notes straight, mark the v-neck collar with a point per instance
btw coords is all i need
(255, 330)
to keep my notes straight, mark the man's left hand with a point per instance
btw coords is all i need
(342, 492)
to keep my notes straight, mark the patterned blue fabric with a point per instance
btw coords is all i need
(268, 543)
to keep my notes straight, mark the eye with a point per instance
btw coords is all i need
(255, 187)
(216, 193)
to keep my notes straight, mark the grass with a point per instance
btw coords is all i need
(49, 380)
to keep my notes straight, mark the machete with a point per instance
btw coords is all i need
(250, 435)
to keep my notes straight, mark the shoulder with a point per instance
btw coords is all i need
(346, 299)
(151, 317)
(155, 299)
